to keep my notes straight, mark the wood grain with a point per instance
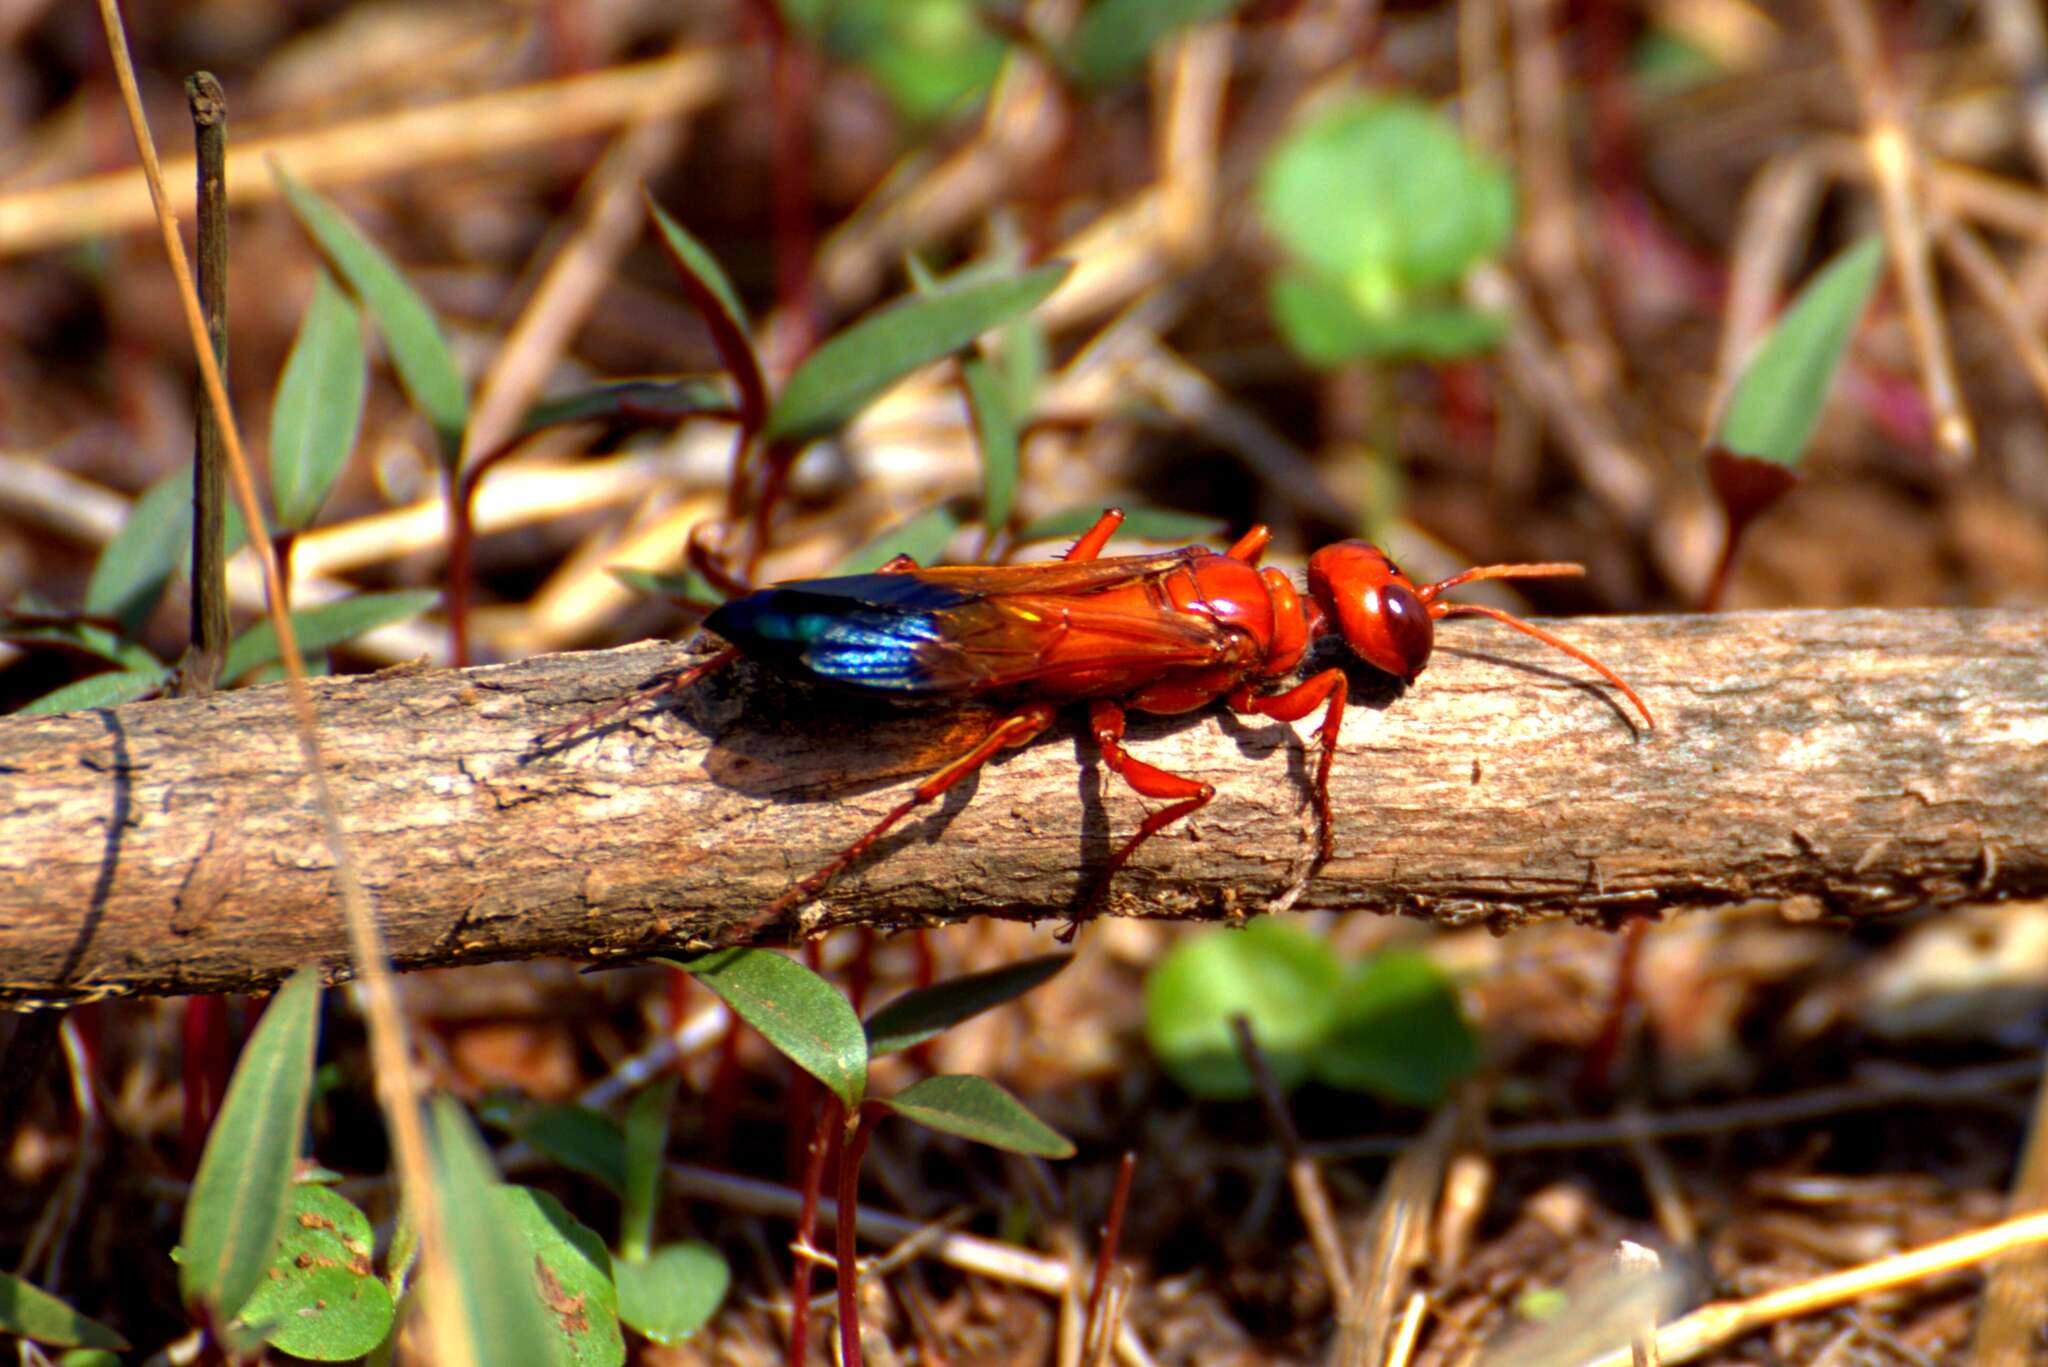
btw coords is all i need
(1845, 763)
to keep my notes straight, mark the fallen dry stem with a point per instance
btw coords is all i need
(455, 131)
(1713, 1326)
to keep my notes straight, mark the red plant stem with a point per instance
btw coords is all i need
(1596, 1073)
(806, 1226)
(723, 1099)
(1110, 1235)
(923, 1055)
(205, 1078)
(845, 1224)
(860, 974)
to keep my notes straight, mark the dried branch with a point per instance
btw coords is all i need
(1849, 763)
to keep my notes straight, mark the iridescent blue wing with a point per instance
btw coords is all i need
(958, 631)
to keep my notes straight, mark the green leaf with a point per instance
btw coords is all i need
(243, 1187)
(33, 1313)
(795, 1010)
(975, 1108)
(328, 625)
(713, 297)
(923, 538)
(322, 1298)
(928, 56)
(567, 1266)
(152, 545)
(842, 376)
(1777, 403)
(1146, 524)
(1325, 327)
(646, 1144)
(1398, 1032)
(669, 1296)
(319, 407)
(924, 1012)
(579, 1139)
(419, 352)
(1282, 979)
(89, 1357)
(995, 430)
(1115, 37)
(638, 403)
(499, 1291)
(1382, 194)
(100, 690)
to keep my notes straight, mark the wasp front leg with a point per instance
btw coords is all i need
(1327, 690)
(1106, 721)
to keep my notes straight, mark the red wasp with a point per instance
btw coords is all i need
(1162, 633)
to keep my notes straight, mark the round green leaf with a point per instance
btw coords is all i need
(33, 1313)
(923, 1013)
(794, 1009)
(668, 1296)
(568, 1267)
(319, 407)
(1282, 980)
(1326, 327)
(975, 1108)
(240, 1194)
(322, 1298)
(1380, 188)
(1399, 1032)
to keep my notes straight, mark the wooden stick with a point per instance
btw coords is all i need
(1849, 763)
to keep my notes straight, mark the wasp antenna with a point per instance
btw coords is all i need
(1509, 619)
(1548, 570)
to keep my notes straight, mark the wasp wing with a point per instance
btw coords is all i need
(971, 629)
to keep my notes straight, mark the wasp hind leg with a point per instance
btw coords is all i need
(1019, 728)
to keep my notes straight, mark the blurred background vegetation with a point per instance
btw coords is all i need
(1475, 280)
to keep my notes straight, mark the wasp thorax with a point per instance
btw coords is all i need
(1374, 605)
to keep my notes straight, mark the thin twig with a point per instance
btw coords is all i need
(1311, 1198)
(1895, 165)
(206, 648)
(1712, 1326)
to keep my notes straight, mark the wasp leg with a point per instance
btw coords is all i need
(1328, 687)
(1019, 728)
(1188, 795)
(674, 684)
(1251, 545)
(1096, 537)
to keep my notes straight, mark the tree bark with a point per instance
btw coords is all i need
(1845, 763)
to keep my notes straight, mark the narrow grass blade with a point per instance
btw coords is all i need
(716, 301)
(925, 1012)
(326, 626)
(502, 1316)
(33, 1313)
